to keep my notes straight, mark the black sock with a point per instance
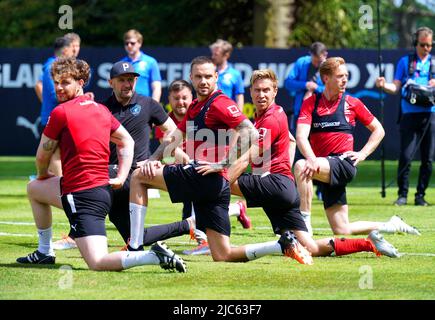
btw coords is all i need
(165, 231)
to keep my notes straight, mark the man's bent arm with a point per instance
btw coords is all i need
(125, 150)
(302, 133)
(375, 138)
(45, 151)
(169, 143)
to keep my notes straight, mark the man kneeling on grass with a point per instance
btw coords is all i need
(83, 129)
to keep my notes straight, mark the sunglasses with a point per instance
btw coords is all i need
(423, 45)
(130, 42)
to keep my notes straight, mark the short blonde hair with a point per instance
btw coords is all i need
(224, 45)
(330, 65)
(133, 33)
(264, 74)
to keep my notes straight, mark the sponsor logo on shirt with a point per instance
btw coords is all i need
(326, 124)
(262, 133)
(227, 78)
(142, 65)
(135, 110)
(234, 110)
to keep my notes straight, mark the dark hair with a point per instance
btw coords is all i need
(60, 43)
(178, 85)
(317, 48)
(200, 60)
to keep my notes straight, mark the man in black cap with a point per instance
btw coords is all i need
(137, 114)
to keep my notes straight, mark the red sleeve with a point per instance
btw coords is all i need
(182, 124)
(158, 134)
(224, 113)
(362, 114)
(114, 124)
(56, 122)
(306, 113)
(268, 132)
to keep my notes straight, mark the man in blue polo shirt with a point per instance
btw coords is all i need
(149, 82)
(230, 80)
(303, 79)
(45, 86)
(417, 122)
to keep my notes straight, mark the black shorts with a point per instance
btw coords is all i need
(342, 172)
(278, 196)
(86, 211)
(210, 195)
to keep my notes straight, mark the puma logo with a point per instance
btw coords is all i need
(23, 122)
(74, 226)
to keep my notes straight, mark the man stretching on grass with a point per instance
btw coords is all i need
(325, 138)
(86, 187)
(271, 184)
(206, 183)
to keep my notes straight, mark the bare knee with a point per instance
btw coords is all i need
(220, 257)
(96, 265)
(299, 166)
(32, 189)
(341, 230)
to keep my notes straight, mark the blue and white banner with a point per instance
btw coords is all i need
(21, 68)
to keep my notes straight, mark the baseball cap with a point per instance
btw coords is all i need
(122, 67)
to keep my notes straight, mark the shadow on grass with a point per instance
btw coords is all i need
(38, 266)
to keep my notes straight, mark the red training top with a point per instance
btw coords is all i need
(83, 129)
(326, 143)
(223, 114)
(273, 142)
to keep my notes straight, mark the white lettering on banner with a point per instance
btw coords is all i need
(104, 74)
(246, 71)
(174, 71)
(25, 76)
(37, 72)
(281, 70)
(373, 70)
(28, 74)
(354, 75)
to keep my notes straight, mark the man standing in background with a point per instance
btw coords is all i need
(149, 82)
(230, 80)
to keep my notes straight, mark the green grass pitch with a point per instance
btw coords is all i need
(359, 276)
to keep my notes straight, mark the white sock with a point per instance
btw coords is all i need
(258, 250)
(137, 220)
(307, 219)
(138, 258)
(45, 245)
(306, 213)
(387, 227)
(234, 209)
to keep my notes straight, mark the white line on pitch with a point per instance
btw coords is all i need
(418, 254)
(17, 234)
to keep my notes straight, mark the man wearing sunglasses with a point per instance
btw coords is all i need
(149, 82)
(417, 122)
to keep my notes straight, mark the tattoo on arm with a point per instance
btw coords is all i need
(248, 135)
(49, 145)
